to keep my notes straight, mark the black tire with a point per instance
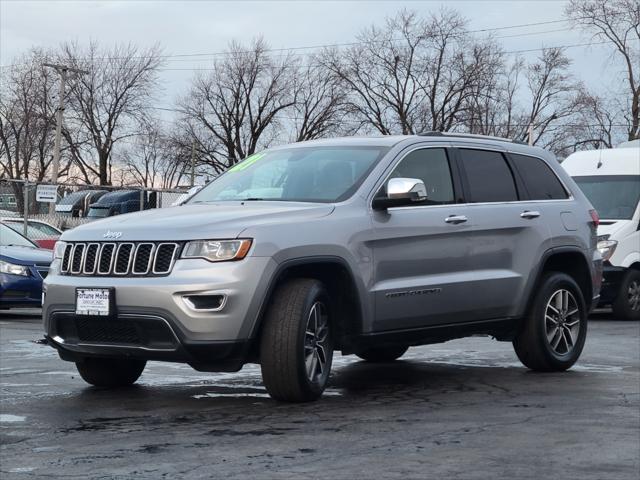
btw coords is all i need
(532, 343)
(382, 354)
(108, 372)
(626, 306)
(285, 344)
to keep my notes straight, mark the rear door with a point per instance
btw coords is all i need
(509, 232)
(421, 252)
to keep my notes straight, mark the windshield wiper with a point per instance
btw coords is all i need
(252, 199)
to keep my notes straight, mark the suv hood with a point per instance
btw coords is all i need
(197, 221)
(26, 255)
(611, 227)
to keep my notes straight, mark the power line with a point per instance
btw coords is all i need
(331, 45)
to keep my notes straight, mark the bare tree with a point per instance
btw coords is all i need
(414, 75)
(237, 105)
(150, 161)
(617, 21)
(107, 104)
(27, 122)
(320, 106)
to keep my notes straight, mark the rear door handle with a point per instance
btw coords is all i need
(455, 219)
(530, 214)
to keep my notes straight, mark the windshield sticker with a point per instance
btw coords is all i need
(247, 162)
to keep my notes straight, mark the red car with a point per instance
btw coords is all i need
(39, 232)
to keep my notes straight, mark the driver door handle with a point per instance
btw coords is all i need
(455, 219)
(530, 214)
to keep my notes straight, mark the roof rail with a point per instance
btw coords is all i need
(470, 135)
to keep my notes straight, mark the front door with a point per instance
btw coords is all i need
(421, 252)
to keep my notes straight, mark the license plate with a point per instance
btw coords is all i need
(93, 301)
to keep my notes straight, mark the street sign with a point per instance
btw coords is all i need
(47, 193)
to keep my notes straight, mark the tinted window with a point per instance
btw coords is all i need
(541, 182)
(489, 176)
(432, 167)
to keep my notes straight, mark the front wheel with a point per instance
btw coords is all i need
(296, 348)
(555, 328)
(107, 372)
(627, 303)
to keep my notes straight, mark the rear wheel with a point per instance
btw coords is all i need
(627, 302)
(296, 349)
(555, 328)
(382, 354)
(107, 372)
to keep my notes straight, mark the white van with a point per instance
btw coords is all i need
(610, 178)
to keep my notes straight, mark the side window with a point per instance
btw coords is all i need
(432, 167)
(541, 181)
(489, 176)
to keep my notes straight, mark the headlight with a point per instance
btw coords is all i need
(58, 249)
(606, 248)
(13, 269)
(217, 250)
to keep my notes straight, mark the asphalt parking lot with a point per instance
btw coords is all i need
(465, 409)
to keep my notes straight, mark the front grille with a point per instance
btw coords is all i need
(119, 258)
(112, 331)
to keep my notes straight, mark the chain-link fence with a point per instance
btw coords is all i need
(52, 208)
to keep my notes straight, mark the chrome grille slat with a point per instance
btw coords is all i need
(106, 258)
(77, 257)
(124, 255)
(91, 258)
(164, 249)
(119, 258)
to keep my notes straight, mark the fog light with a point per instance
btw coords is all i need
(206, 302)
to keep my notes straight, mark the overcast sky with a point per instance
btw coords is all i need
(207, 26)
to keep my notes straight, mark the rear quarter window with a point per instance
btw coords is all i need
(540, 180)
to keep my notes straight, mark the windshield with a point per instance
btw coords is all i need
(615, 197)
(35, 230)
(98, 212)
(309, 174)
(72, 198)
(10, 237)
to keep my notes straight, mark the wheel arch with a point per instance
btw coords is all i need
(337, 276)
(569, 260)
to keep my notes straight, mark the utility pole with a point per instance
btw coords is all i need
(530, 134)
(193, 162)
(63, 71)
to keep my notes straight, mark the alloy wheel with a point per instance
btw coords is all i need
(634, 295)
(316, 342)
(562, 321)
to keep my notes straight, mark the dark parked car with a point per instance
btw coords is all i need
(76, 204)
(22, 267)
(123, 201)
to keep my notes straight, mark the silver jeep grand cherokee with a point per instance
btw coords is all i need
(362, 245)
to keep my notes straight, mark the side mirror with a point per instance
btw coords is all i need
(401, 192)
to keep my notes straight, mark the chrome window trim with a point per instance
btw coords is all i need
(95, 262)
(131, 255)
(113, 256)
(411, 149)
(171, 262)
(402, 155)
(73, 257)
(149, 262)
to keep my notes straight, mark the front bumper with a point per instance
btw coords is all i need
(611, 279)
(153, 321)
(19, 291)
